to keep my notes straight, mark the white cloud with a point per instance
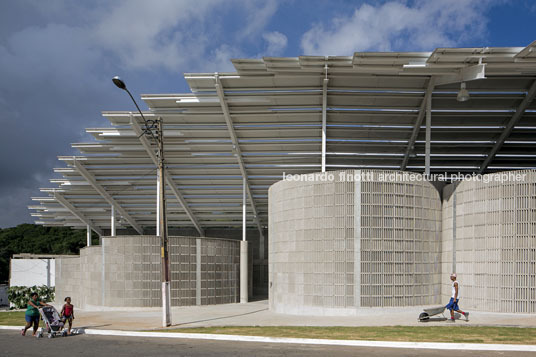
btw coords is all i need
(395, 25)
(56, 61)
(277, 42)
(174, 35)
(220, 59)
(165, 33)
(259, 13)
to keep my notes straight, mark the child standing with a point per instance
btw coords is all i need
(67, 313)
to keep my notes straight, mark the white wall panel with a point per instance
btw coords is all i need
(30, 272)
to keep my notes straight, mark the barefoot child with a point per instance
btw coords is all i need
(32, 314)
(67, 313)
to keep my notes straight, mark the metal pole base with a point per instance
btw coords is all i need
(166, 305)
(243, 272)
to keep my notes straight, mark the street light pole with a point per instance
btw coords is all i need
(165, 275)
(164, 253)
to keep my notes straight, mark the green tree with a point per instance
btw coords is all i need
(35, 239)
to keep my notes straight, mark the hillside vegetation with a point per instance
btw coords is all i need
(35, 239)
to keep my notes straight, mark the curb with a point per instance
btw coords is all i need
(307, 341)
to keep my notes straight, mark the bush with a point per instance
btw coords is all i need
(19, 295)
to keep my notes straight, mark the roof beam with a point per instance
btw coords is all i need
(63, 201)
(527, 50)
(93, 182)
(169, 180)
(520, 110)
(418, 122)
(236, 149)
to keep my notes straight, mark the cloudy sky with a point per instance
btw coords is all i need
(57, 57)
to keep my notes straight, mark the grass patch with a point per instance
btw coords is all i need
(458, 334)
(12, 318)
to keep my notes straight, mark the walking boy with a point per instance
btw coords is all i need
(453, 303)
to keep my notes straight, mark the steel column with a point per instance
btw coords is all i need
(158, 208)
(324, 117)
(244, 251)
(88, 236)
(428, 136)
(112, 217)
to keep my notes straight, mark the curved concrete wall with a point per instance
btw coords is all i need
(493, 245)
(203, 271)
(358, 238)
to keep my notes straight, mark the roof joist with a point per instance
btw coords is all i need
(63, 201)
(520, 110)
(169, 180)
(93, 182)
(236, 149)
(267, 119)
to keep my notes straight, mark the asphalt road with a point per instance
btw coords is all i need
(13, 344)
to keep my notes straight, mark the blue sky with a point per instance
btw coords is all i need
(57, 57)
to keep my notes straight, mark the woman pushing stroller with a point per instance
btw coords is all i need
(32, 314)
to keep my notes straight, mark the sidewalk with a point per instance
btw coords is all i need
(257, 314)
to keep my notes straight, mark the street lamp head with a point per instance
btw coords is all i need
(119, 83)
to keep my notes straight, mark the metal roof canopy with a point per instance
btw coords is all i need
(267, 119)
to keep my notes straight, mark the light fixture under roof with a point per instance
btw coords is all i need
(463, 94)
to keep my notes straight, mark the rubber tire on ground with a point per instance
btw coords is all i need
(50, 335)
(424, 316)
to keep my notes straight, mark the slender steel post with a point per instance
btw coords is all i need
(244, 273)
(244, 209)
(428, 136)
(112, 218)
(324, 117)
(88, 236)
(158, 208)
(454, 230)
(48, 272)
(165, 273)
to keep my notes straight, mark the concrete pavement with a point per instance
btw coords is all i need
(257, 314)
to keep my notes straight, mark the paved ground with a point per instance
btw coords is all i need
(257, 313)
(13, 344)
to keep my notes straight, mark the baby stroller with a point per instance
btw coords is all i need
(53, 323)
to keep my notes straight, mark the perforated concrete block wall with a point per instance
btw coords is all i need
(220, 271)
(68, 278)
(131, 272)
(353, 239)
(494, 243)
(203, 271)
(400, 241)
